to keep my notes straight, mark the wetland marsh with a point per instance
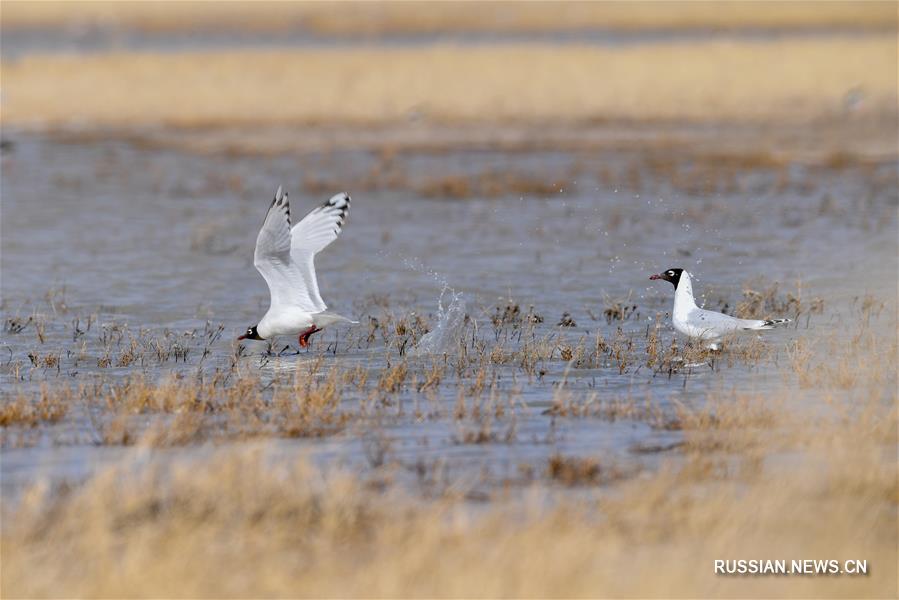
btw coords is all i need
(513, 415)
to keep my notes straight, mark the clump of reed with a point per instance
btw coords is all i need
(574, 471)
(50, 406)
(311, 407)
(766, 302)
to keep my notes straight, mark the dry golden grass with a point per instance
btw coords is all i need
(23, 411)
(579, 471)
(682, 164)
(792, 80)
(372, 18)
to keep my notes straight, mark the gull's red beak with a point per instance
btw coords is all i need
(242, 337)
(654, 277)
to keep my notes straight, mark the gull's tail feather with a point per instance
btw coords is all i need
(766, 324)
(756, 325)
(771, 323)
(327, 317)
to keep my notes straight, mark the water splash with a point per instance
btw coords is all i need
(450, 317)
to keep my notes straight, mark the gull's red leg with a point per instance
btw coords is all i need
(304, 337)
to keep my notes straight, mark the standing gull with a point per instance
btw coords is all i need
(706, 325)
(285, 257)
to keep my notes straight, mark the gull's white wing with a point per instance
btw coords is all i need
(308, 237)
(719, 323)
(273, 258)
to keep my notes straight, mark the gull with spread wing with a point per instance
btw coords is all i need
(285, 257)
(706, 325)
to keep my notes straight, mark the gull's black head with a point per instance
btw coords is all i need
(251, 334)
(672, 275)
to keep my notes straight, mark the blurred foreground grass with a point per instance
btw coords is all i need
(240, 522)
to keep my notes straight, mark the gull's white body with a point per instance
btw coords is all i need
(708, 325)
(293, 321)
(285, 258)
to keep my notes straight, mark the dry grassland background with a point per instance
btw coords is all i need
(795, 81)
(372, 18)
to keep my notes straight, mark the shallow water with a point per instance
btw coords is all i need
(160, 243)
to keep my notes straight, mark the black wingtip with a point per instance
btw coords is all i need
(280, 200)
(337, 199)
(340, 203)
(280, 195)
